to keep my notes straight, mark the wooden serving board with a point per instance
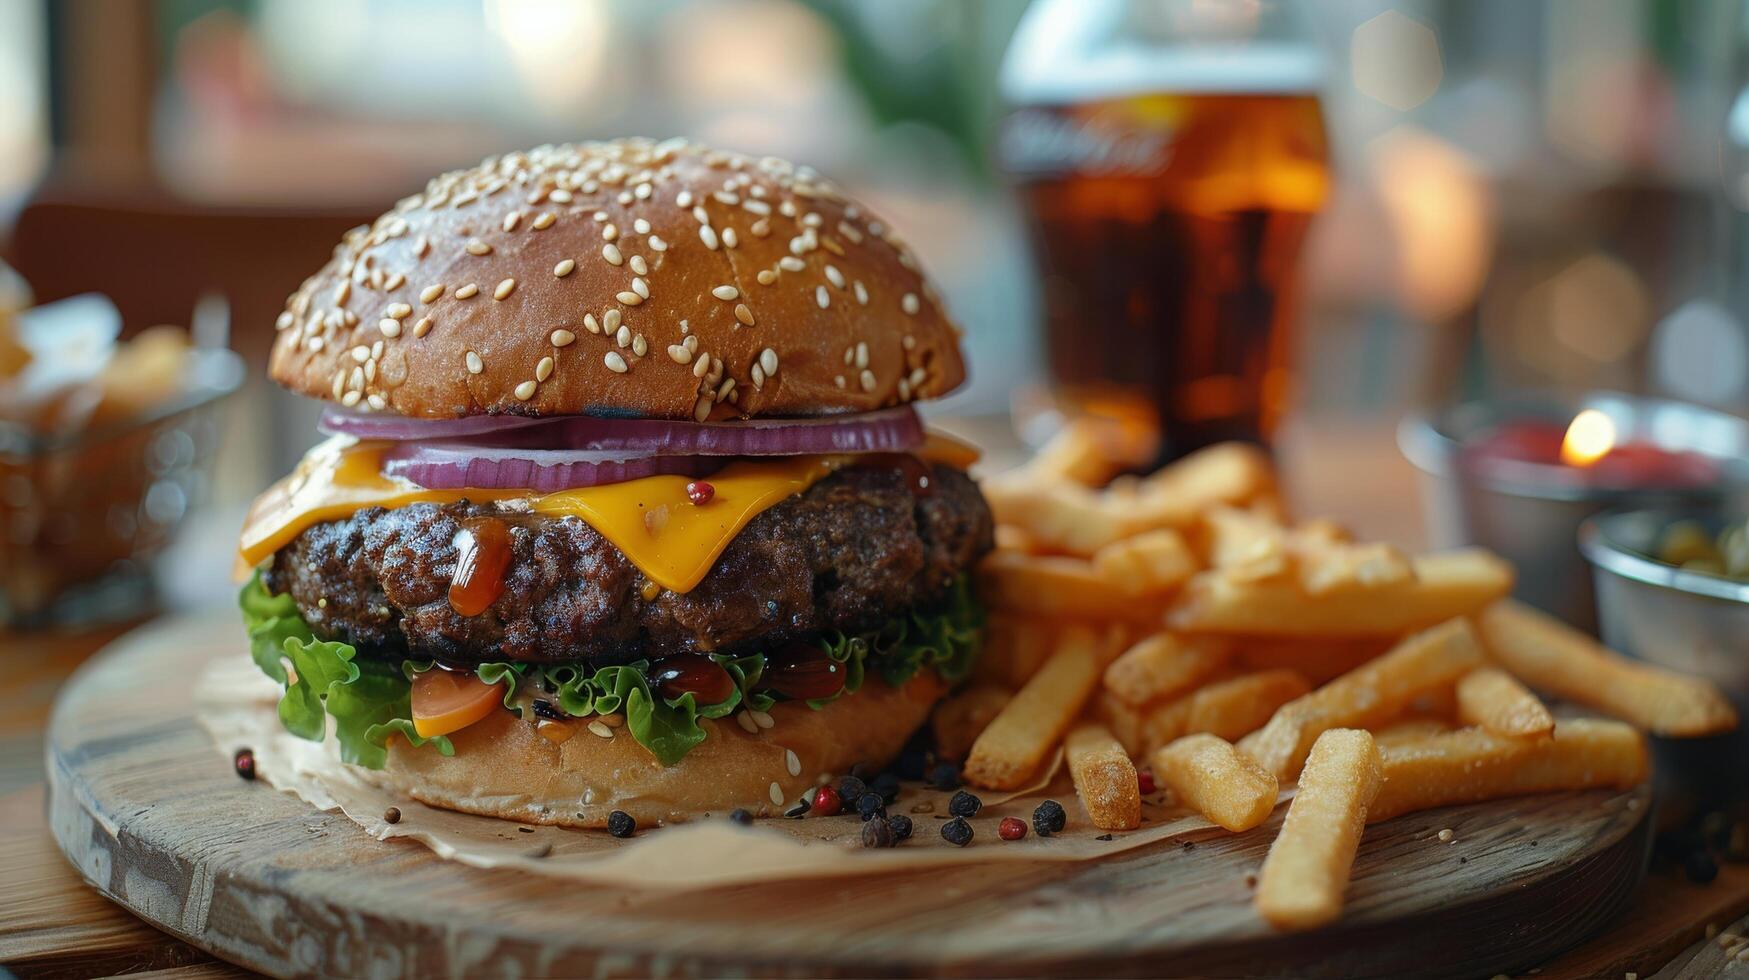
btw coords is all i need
(152, 816)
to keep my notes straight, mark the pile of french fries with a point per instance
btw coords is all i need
(1182, 621)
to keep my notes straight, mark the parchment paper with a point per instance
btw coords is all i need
(236, 705)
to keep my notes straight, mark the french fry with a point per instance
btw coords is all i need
(1371, 694)
(1058, 516)
(1010, 749)
(1472, 764)
(1014, 649)
(958, 720)
(1104, 777)
(1409, 730)
(1318, 658)
(1127, 724)
(1054, 585)
(1163, 666)
(1150, 563)
(1207, 774)
(1559, 660)
(1492, 699)
(1090, 450)
(1447, 584)
(1239, 706)
(1228, 473)
(1306, 873)
(1247, 547)
(1013, 537)
(1330, 568)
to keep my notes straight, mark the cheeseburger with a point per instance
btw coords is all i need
(624, 504)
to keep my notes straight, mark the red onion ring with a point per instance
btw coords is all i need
(464, 466)
(888, 430)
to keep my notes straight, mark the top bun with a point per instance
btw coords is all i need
(658, 280)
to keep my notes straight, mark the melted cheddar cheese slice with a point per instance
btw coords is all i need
(671, 540)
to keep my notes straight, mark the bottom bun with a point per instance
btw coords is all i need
(504, 767)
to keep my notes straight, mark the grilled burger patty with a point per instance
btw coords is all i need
(855, 548)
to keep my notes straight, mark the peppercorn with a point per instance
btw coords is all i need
(886, 784)
(621, 824)
(957, 832)
(827, 802)
(851, 788)
(870, 805)
(878, 833)
(1011, 828)
(1145, 782)
(945, 776)
(700, 492)
(741, 816)
(1049, 818)
(244, 763)
(901, 825)
(964, 804)
(392, 815)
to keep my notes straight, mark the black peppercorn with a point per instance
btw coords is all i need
(957, 832)
(870, 805)
(886, 784)
(392, 815)
(244, 761)
(878, 833)
(621, 824)
(741, 816)
(945, 776)
(850, 789)
(901, 825)
(1049, 818)
(964, 804)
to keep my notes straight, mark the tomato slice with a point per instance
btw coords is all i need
(445, 701)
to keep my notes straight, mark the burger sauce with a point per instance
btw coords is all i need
(482, 556)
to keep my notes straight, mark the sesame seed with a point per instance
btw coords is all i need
(376, 401)
(708, 235)
(640, 226)
(917, 377)
(615, 362)
(609, 231)
(390, 328)
(838, 379)
(758, 376)
(560, 196)
(640, 346)
(683, 199)
(623, 336)
(430, 292)
(511, 219)
(544, 369)
(342, 291)
(422, 247)
(679, 354)
(477, 247)
(909, 343)
(868, 380)
(730, 239)
(822, 297)
(525, 391)
(285, 320)
(762, 719)
(610, 252)
(639, 266)
(743, 314)
(640, 287)
(909, 304)
(726, 292)
(862, 353)
(398, 311)
(792, 762)
(423, 327)
(349, 399)
(700, 215)
(861, 292)
(849, 355)
(543, 221)
(657, 244)
(370, 371)
(756, 206)
(590, 323)
(504, 289)
(610, 320)
(701, 410)
(832, 246)
(702, 366)
(360, 354)
(776, 795)
(475, 365)
(467, 292)
(766, 277)
(768, 360)
(629, 298)
(598, 729)
(339, 382)
(562, 337)
(790, 263)
(833, 276)
(564, 268)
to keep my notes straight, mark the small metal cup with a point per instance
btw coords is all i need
(1534, 524)
(1687, 621)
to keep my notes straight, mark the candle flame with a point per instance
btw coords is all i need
(1590, 437)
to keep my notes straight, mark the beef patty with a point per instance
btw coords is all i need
(854, 549)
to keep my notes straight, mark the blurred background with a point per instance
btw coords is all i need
(1518, 196)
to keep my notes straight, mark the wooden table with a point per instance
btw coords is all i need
(52, 925)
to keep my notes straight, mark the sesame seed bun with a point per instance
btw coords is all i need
(596, 278)
(503, 767)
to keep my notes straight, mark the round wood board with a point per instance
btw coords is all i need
(147, 810)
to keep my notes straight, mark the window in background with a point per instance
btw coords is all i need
(24, 136)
